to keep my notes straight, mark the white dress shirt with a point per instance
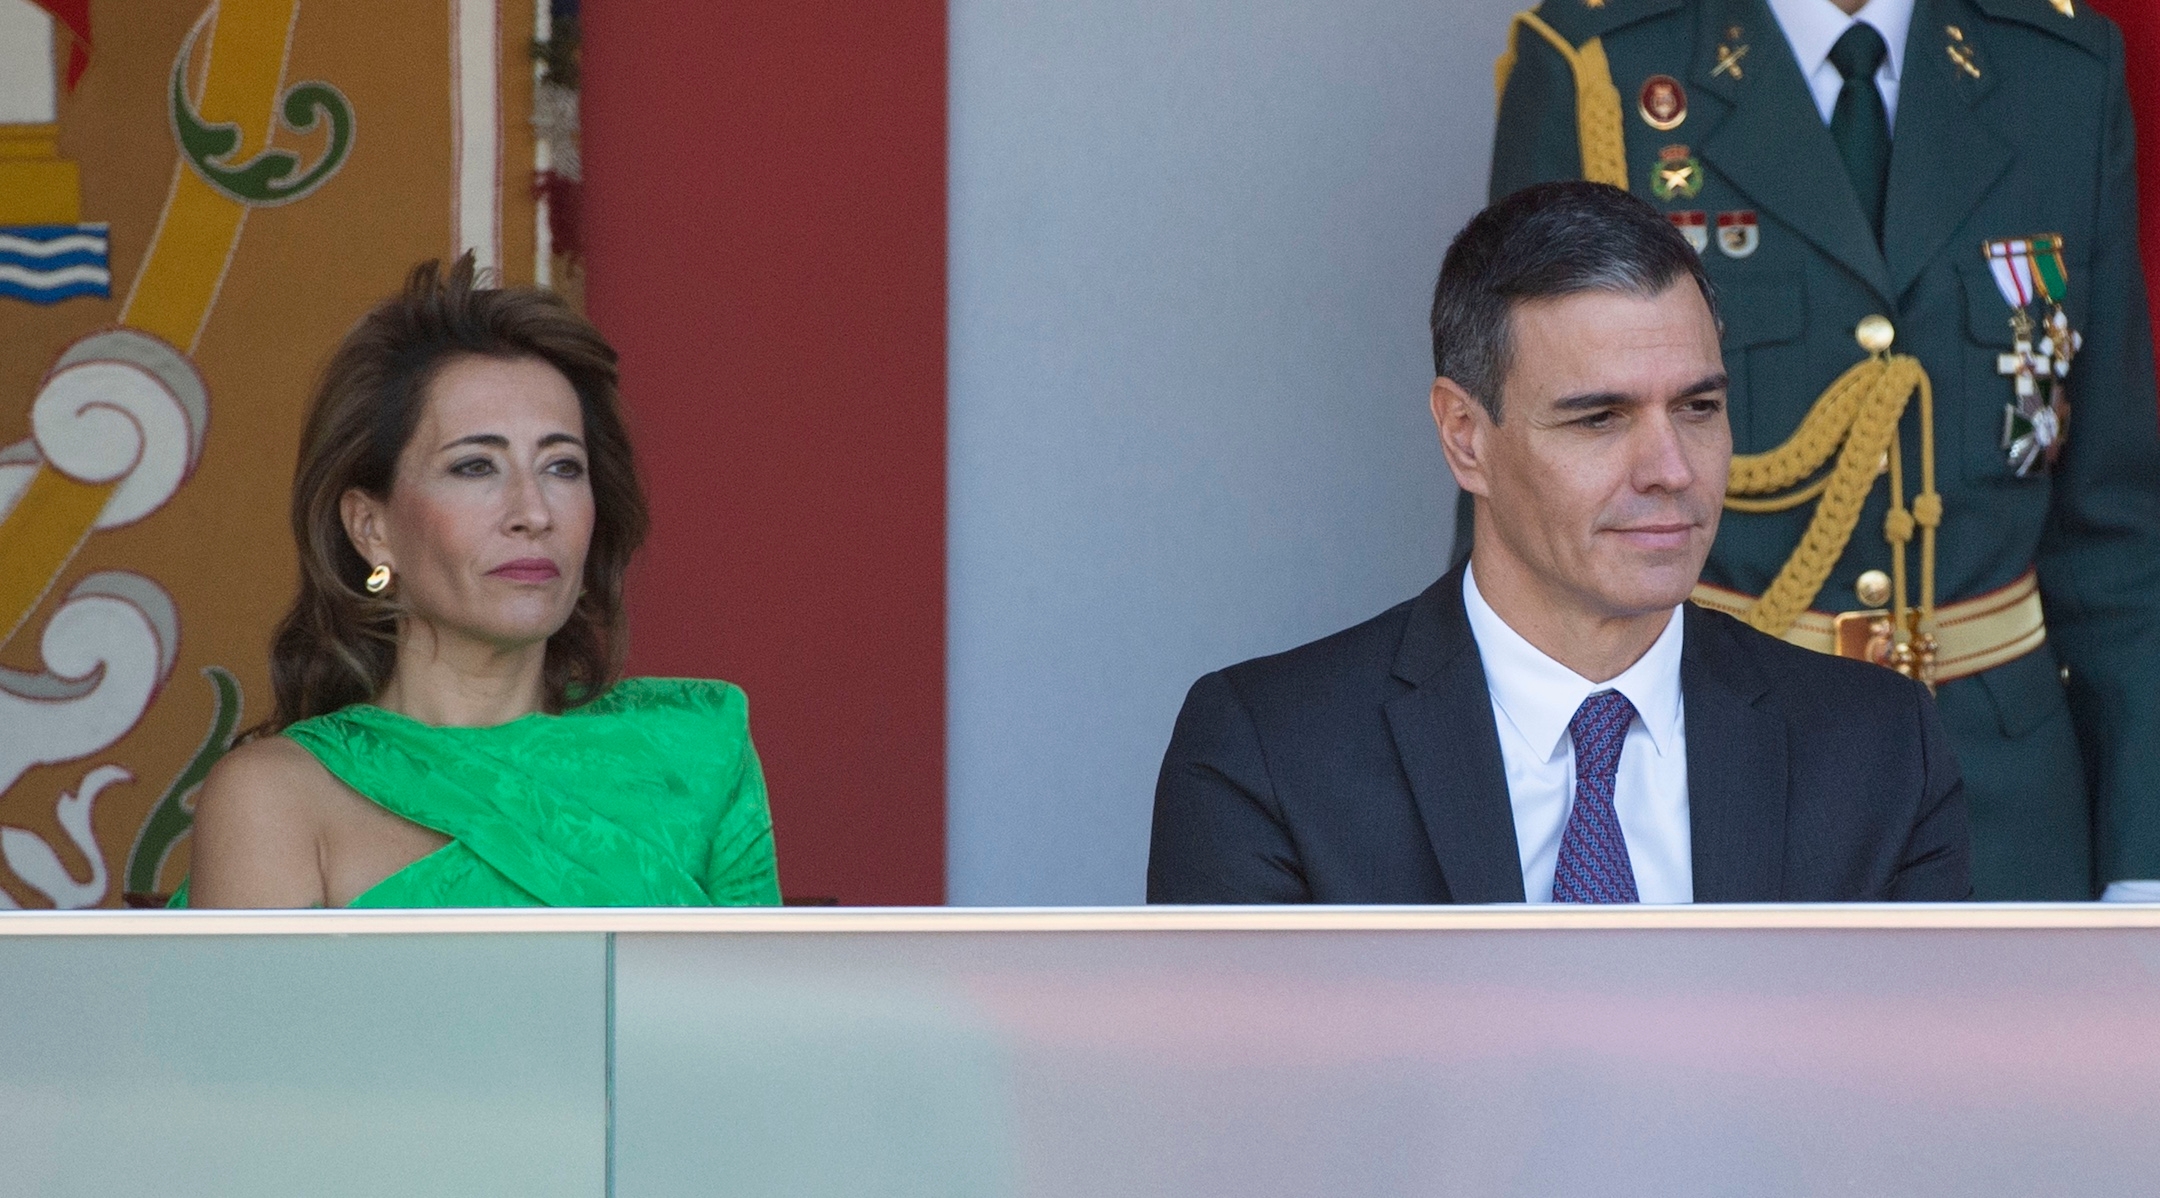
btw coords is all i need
(1534, 698)
(1813, 26)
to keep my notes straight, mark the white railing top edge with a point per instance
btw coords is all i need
(851, 920)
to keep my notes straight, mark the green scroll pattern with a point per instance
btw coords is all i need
(172, 816)
(268, 177)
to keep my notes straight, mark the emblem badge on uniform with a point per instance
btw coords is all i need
(2029, 272)
(1738, 234)
(1695, 226)
(1729, 56)
(1961, 52)
(1677, 175)
(1663, 103)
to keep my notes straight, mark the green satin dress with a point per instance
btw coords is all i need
(649, 796)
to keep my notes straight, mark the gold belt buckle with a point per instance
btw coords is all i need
(1865, 635)
(1870, 635)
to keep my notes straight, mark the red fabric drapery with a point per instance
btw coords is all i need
(2140, 21)
(73, 16)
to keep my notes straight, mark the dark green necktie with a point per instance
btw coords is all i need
(1860, 125)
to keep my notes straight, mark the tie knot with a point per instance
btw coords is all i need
(1859, 53)
(1602, 719)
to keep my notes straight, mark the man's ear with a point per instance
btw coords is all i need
(363, 517)
(1465, 433)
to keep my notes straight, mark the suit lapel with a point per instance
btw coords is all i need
(1737, 777)
(1943, 159)
(1450, 750)
(1772, 145)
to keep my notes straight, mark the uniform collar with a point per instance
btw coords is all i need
(1813, 26)
(1539, 696)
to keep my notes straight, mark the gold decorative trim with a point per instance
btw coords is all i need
(1974, 635)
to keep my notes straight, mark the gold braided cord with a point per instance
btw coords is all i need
(1810, 447)
(1777, 503)
(1598, 124)
(1597, 118)
(1927, 505)
(1898, 530)
(1856, 421)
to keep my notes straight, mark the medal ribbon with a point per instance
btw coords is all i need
(2010, 261)
(2048, 268)
(2029, 268)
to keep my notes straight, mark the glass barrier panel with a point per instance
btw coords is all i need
(1672, 1062)
(285, 1065)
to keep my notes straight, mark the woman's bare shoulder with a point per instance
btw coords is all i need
(259, 824)
(269, 776)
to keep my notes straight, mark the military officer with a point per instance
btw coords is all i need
(1921, 216)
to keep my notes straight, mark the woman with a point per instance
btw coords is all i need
(451, 728)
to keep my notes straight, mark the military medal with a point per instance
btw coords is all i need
(1695, 226)
(1738, 233)
(1663, 103)
(2028, 272)
(1677, 175)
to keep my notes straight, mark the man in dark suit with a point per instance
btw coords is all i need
(1551, 720)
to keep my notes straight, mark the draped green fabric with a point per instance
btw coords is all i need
(649, 796)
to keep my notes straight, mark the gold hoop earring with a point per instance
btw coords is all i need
(378, 580)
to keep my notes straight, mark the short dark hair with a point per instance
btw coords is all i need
(337, 644)
(1543, 242)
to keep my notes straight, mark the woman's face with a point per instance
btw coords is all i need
(491, 510)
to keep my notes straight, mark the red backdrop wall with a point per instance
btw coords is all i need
(765, 229)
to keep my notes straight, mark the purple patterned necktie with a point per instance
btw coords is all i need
(1593, 866)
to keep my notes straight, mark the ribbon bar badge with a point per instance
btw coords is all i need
(1695, 226)
(2029, 273)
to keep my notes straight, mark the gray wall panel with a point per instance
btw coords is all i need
(1192, 245)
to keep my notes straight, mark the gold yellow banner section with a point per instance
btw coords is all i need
(196, 235)
(173, 292)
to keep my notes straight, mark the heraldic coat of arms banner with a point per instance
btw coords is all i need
(197, 199)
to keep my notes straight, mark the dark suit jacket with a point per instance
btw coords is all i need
(1365, 768)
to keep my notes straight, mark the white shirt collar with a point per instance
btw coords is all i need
(1813, 26)
(1539, 696)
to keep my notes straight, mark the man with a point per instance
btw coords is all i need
(1552, 720)
(1951, 183)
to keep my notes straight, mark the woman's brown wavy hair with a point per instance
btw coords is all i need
(337, 644)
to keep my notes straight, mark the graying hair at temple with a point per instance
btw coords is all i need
(1545, 242)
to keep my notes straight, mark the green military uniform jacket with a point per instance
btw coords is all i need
(2032, 134)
